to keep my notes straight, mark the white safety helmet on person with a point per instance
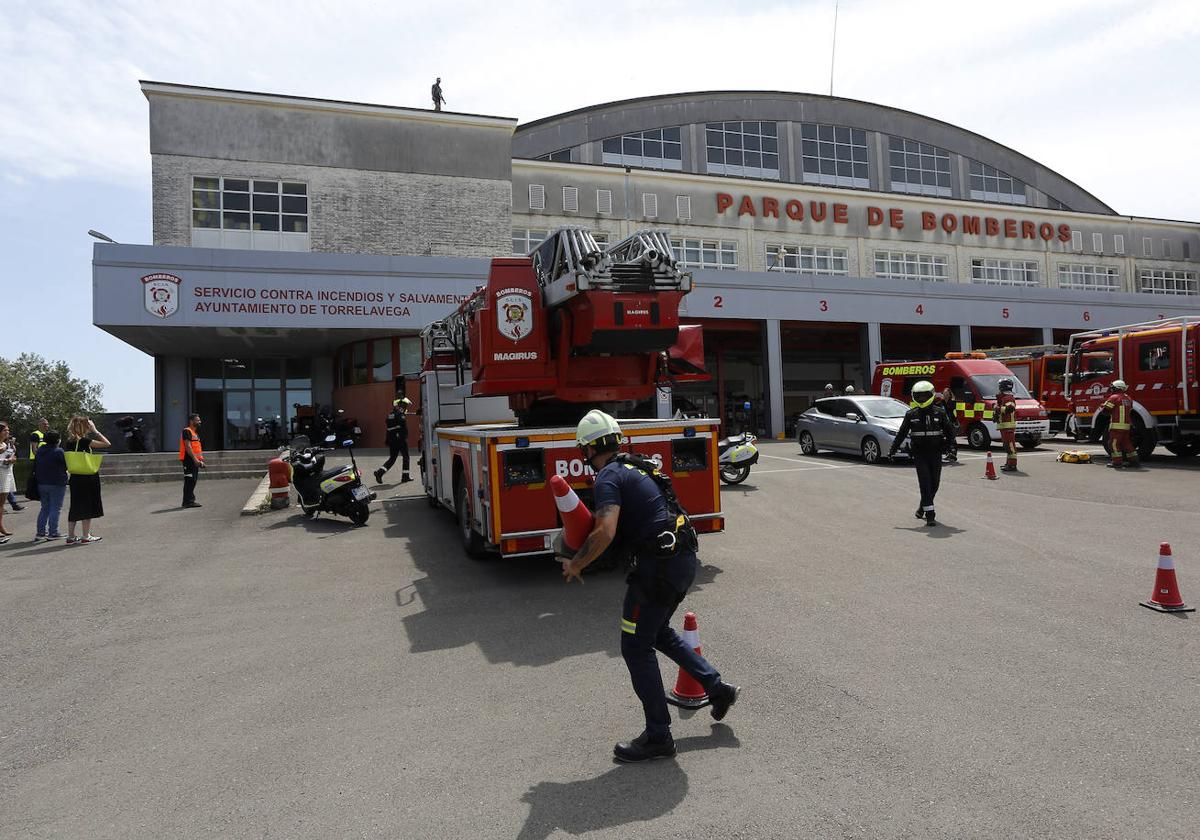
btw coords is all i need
(1119, 385)
(596, 426)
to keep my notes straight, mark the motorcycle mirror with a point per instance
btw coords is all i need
(347, 443)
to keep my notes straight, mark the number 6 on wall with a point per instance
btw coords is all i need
(1087, 316)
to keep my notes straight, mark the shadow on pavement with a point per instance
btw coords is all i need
(733, 488)
(517, 611)
(629, 793)
(326, 524)
(939, 532)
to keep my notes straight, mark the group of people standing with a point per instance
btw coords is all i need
(52, 477)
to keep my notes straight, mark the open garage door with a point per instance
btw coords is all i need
(815, 353)
(913, 342)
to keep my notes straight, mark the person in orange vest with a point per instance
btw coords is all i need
(191, 455)
(1119, 408)
(1006, 423)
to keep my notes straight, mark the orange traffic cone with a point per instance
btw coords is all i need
(989, 471)
(576, 518)
(1166, 597)
(687, 692)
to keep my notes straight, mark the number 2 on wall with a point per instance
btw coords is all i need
(718, 302)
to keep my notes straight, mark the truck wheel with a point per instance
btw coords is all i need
(870, 450)
(359, 513)
(978, 437)
(807, 445)
(472, 542)
(1144, 440)
(1184, 448)
(1030, 442)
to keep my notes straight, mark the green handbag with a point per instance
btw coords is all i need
(82, 463)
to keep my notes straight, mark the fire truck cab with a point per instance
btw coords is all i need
(1041, 368)
(974, 380)
(1157, 360)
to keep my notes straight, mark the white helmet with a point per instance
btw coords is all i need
(849, 389)
(1119, 385)
(828, 386)
(594, 426)
(924, 387)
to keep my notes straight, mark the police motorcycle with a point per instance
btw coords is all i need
(345, 428)
(339, 491)
(735, 456)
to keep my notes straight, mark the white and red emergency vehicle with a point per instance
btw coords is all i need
(1041, 368)
(974, 381)
(507, 376)
(1157, 360)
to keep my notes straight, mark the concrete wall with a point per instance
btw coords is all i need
(173, 398)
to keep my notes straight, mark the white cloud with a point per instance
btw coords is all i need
(1084, 87)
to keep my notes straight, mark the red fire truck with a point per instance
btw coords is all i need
(1041, 368)
(508, 375)
(974, 380)
(1157, 360)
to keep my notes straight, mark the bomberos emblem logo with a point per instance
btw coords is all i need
(161, 293)
(514, 313)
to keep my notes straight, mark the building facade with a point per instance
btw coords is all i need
(307, 241)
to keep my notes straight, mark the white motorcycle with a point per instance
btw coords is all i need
(735, 456)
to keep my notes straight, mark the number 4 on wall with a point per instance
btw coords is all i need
(920, 310)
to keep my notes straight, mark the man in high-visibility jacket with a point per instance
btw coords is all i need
(191, 455)
(1119, 407)
(37, 437)
(1006, 423)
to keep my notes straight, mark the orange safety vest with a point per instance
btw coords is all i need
(197, 450)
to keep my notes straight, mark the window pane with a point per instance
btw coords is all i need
(237, 221)
(206, 183)
(237, 373)
(612, 145)
(295, 189)
(381, 360)
(266, 221)
(266, 187)
(359, 372)
(295, 224)
(206, 374)
(410, 355)
(298, 373)
(266, 373)
(236, 185)
(294, 204)
(671, 134)
(205, 200)
(206, 219)
(267, 203)
(237, 201)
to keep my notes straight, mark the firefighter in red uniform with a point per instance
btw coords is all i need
(1006, 423)
(1119, 408)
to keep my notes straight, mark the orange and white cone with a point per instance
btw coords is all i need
(687, 692)
(989, 472)
(576, 518)
(1166, 597)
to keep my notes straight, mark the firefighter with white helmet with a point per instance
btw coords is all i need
(1119, 408)
(849, 391)
(1006, 422)
(930, 431)
(637, 513)
(829, 389)
(397, 438)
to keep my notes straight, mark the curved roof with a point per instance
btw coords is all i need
(575, 130)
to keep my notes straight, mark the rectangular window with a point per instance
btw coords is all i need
(918, 167)
(650, 205)
(658, 148)
(990, 184)
(359, 372)
(1166, 282)
(1147, 247)
(1118, 243)
(993, 272)
(601, 237)
(570, 199)
(249, 204)
(604, 201)
(1166, 249)
(1076, 240)
(1089, 278)
(561, 156)
(1154, 355)
(1098, 243)
(1054, 204)
(524, 241)
(748, 149)
(683, 207)
(381, 360)
(808, 259)
(537, 197)
(834, 155)
(706, 253)
(905, 265)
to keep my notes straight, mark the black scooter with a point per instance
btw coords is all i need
(339, 491)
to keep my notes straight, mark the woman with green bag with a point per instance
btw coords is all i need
(84, 466)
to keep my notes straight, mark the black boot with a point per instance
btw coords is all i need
(721, 698)
(642, 748)
(920, 514)
(379, 476)
(930, 519)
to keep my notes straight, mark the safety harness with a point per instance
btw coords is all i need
(680, 534)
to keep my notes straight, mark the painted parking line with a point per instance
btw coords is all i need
(826, 466)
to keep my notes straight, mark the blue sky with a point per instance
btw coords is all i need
(1107, 92)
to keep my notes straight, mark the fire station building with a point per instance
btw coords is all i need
(299, 245)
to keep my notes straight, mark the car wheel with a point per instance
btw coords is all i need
(870, 450)
(807, 445)
(978, 437)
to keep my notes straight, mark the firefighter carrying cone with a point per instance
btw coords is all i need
(1006, 423)
(1119, 408)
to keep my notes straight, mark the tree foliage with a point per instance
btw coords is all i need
(32, 387)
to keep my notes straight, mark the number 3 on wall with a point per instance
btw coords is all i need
(718, 302)
(824, 306)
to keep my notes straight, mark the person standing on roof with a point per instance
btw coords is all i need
(637, 513)
(1119, 408)
(926, 422)
(1006, 423)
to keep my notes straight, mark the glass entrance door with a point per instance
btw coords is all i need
(239, 420)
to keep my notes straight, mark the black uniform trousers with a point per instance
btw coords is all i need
(650, 601)
(396, 447)
(929, 477)
(191, 474)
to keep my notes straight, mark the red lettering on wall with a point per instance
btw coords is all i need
(928, 220)
(817, 210)
(1064, 233)
(1046, 231)
(841, 214)
(746, 208)
(1010, 228)
(896, 218)
(1028, 230)
(874, 217)
(770, 208)
(971, 225)
(724, 202)
(949, 222)
(794, 210)
(991, 227)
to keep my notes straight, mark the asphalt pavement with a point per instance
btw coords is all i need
(203, 674)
